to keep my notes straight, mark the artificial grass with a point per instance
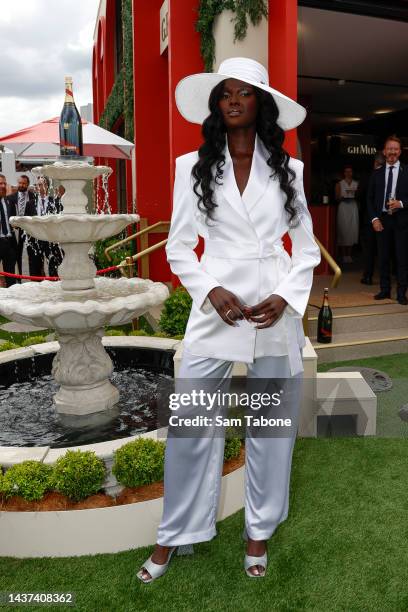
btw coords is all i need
(395, 365)
(342, 548)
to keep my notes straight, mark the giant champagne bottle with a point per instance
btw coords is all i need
(70, 126)
(325, 320)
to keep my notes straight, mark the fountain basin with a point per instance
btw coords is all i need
(72, 169)
(73, 228)
(114, 301)
(82, 367)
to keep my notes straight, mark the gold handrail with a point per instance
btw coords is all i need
(125, 263)
(334, 266)
(326, 255)
(145, 230)
(129, 261)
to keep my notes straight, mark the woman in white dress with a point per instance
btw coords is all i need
(347, 215)
(241, 192)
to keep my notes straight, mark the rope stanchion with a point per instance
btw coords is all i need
(54, 278)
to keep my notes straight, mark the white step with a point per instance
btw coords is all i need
(354, 345)
(378, 319)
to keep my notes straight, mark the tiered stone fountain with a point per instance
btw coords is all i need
(80, 304)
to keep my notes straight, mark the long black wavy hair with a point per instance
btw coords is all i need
(211, 157)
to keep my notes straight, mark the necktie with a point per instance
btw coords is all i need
(388, 191)
(21, 204)
(42, 206)
(4, 227)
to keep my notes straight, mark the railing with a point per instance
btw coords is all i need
(162, 227)
(333, 265)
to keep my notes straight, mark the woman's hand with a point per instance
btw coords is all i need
(226, 304)
(267, 312)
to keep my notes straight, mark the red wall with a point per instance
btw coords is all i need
(282, 60)
(282, 54)
(161, 134)
(151, 125)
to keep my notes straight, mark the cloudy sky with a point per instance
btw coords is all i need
(42, 41)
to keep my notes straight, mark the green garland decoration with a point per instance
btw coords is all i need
(114, 104)
(128, 111)
(120, 100)
(208, 10)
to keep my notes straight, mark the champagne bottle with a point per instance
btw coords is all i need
(325, 320)
(70, 126)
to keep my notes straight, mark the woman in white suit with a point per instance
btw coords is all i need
(241, 192)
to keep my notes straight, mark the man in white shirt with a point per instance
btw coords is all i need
(8, 243)
(387, 202)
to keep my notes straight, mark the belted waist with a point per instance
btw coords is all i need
(244, 250)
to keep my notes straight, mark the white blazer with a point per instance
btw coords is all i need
(243, 253)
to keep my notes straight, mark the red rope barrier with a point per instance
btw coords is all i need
(52, 278)
(24, 277)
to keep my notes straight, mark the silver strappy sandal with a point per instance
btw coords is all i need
(252, 561)
(158, 569)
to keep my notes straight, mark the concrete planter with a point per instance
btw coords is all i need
(102, 530)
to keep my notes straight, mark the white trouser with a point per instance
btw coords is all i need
(193, 466)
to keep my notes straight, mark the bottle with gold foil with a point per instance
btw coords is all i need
(70, 126)
(325, 320)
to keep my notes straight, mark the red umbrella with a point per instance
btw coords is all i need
(42, 140)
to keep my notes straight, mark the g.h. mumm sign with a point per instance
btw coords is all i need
(164, 26)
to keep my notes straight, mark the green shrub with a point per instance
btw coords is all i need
(138, 332)
(8, 346)
(139, 462)
(114, 332)
(29, 479)
(118, 255)
(232, 448)
(175, 313)
(78, 474)
(33, 340)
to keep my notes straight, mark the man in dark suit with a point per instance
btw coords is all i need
(368, 235)
(387, 202)
(8, 243)
(24, 202)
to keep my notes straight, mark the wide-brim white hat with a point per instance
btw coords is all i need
(192, 92)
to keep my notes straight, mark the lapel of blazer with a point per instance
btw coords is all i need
(257, 181)
(229, 187)
(259, 177)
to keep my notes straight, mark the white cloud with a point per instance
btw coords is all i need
(41, 42)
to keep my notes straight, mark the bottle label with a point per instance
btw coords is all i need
(325, 332)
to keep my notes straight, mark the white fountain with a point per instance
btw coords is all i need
(80, 304)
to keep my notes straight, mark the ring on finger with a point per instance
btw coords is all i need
(227, 313)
